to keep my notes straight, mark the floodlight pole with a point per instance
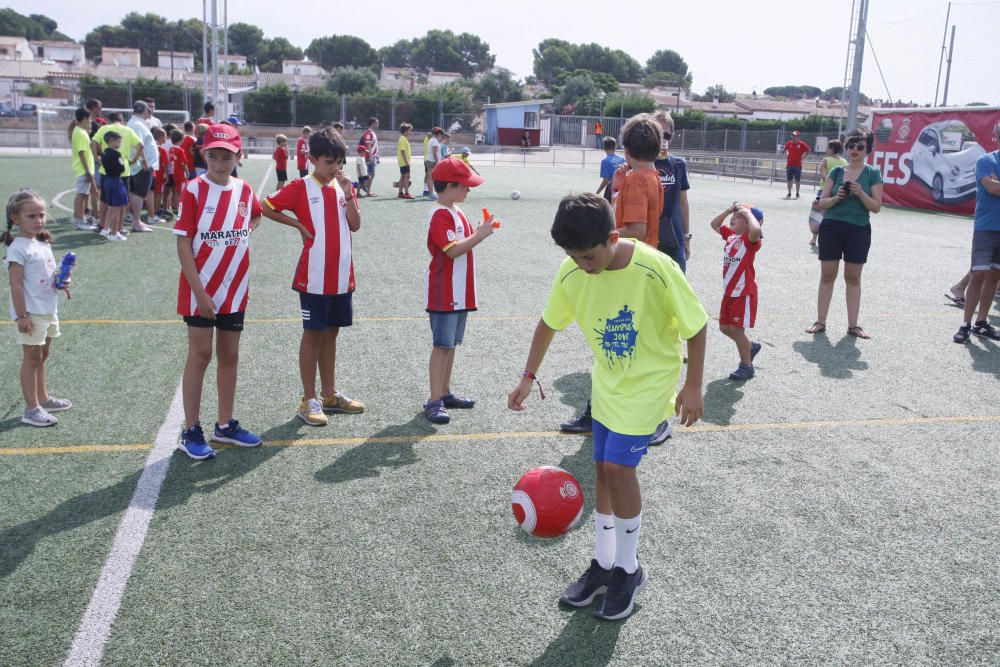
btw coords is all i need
(947, 78)
(204, 50)
(859, 54)
(215, 50)
(937, 86)
(225, 42)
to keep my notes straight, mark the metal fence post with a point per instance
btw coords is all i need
(129, 93)
(392, 112)
(343, 108)
(441, 113)
(725, 140)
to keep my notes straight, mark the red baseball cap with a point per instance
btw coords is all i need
(453, 170)
(223, 136)
(795, 133)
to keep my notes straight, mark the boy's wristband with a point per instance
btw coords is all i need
(531, 376)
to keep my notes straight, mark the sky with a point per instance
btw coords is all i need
(742, 45)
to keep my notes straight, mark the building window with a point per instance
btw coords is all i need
(4, 51)
(41, 51)
(531, 119)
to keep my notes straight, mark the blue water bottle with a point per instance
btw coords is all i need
(65, 269)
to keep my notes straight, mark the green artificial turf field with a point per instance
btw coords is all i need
(841, 507)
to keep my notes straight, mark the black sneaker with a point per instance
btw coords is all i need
(964, 332)
(620, 596)
(986, 330)
(661, 434)
(582, 423)
(591, 583)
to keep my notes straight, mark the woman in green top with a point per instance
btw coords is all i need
(851, 194)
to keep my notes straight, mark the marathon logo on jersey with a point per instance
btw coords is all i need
(224, 237)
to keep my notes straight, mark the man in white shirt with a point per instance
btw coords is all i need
(141, 175)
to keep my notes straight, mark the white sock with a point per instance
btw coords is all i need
(604, 537)
(627, 542)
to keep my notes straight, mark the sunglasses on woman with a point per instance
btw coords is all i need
(852, 145)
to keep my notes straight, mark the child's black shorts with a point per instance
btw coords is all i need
(222, 322)
(282, 174)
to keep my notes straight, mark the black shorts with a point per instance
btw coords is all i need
(282, 174)
(793, 173)
(303, 172)
(140, 183)
(222, 322)
(326, 311)
(403, 171)
(842, 240)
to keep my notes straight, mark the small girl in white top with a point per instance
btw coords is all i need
(33, 301)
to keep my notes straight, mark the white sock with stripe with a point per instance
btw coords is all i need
(604, 537)
(627, 542)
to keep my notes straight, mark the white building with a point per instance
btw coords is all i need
(300, 68)
(178, 60)
(120, 56)
(232, 59)
(15, 48)
(64, 53)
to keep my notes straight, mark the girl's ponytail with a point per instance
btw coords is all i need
(14, 205)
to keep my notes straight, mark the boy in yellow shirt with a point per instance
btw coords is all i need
(404, 158)
(635, 308)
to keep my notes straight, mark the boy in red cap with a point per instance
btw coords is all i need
(451, 279)
(795, 150)
(218, 212)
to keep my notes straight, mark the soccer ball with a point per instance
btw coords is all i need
(547, 501)
(515, 194)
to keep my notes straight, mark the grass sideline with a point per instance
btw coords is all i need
(837, 508)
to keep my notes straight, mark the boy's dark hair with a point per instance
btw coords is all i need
(189, 126)
(327, 143)
(864, 134)
(209, 107)
(441, 186)
(115, 117)
(582, 222)
(372, 121)
(158, 132)
(338, 126)
(404, 128)
(170, 127)
(642, 137)
(92, 104)
(111, 136)
(437, 131)
(176, 136)
(835, 146)
(610, 144)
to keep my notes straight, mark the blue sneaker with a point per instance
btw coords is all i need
(744, 372)
(754, 349)
(436, 413)
(193, 444)
(460, 402)
(235, 434)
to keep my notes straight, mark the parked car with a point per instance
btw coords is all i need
(28, 111)
(6, 110)
(951, 177)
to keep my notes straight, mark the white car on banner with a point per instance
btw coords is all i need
(951, 176)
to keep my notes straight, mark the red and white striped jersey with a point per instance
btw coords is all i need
(217, 220)
(451, 283)
(326, 265)
(738, 275)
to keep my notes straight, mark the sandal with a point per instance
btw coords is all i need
(817, 327)
(957, 300)
(858, 332)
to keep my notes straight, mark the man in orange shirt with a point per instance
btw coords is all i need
(599, 133)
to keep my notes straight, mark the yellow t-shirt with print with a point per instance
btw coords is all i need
(129, 141)
(635, 320)
(403, 152)
(81, 142)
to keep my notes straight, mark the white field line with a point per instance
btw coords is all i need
(88, 644)
(57, 201)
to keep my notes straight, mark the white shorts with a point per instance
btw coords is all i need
(43, 326)
(82, 185)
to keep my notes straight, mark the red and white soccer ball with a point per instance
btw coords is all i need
(547, 501)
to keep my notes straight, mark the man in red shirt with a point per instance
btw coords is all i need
(795, 150)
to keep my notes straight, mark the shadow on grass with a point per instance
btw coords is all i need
(574, 390)
(67, 237)
(835, 361)
(984, 358)
(584, 641)
(721, 398)
(366, 459)
(185, 478)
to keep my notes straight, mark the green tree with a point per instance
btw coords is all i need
(579, 94)
(717, 90)
(341, 51)
(628, 104)
(399, 54)
(445, 51)
(834, 94)
(36, 89)
(273, 51)
(555, 56)
(551, 58)
(499, 86)
(666, 60)
(351, 81)
(794, 92)
(245, 39)
(34, 26)
(606, 82)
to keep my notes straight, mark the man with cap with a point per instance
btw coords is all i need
(141, 174)
(795, 150)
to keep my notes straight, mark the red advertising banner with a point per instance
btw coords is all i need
(928, 157)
